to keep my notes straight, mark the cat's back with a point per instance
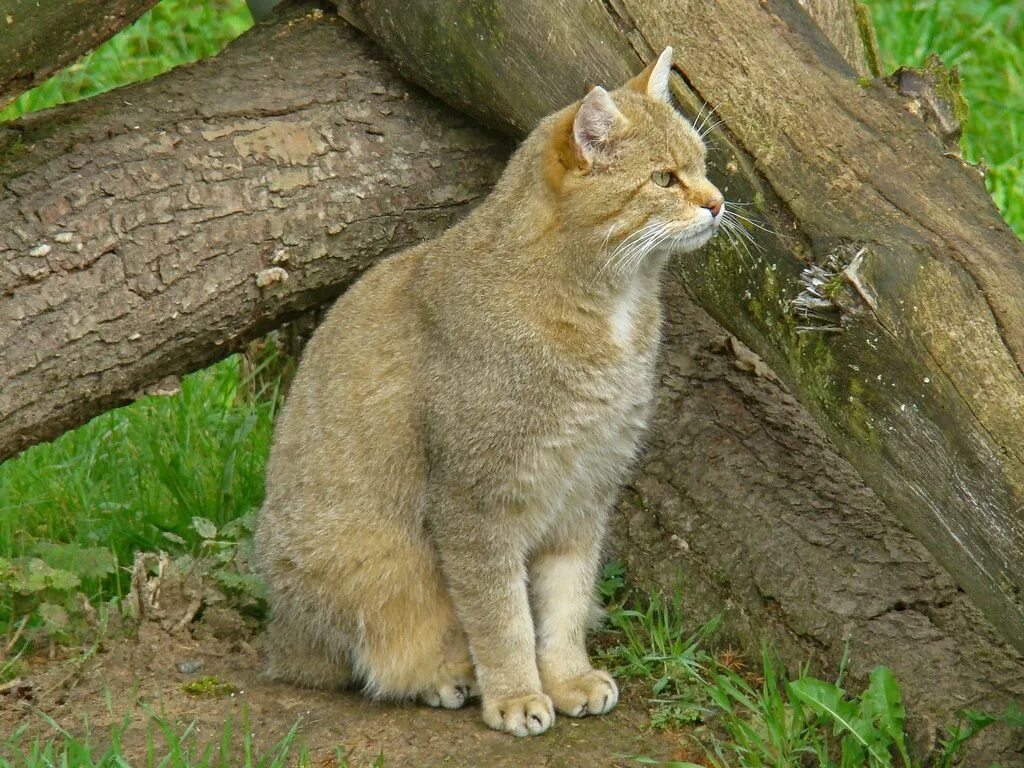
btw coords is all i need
(356, 382)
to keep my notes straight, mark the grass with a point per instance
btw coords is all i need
(173, 32)
(985, 40)
(730, 717)
(166, 746)
(151, 476)
(175, 472)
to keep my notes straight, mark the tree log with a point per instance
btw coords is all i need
(907, 339)
(848, 27)
(741, 492)
(153, 229)
(37, 39)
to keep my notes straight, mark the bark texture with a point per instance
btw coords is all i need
(847, 25)
(745, 506)
(150, 231)
(907, 341)
(298, 150)
(38, 38)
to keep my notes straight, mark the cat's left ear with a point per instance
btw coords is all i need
(653, 81)
(595, 123)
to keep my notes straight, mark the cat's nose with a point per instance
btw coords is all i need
(715, 206)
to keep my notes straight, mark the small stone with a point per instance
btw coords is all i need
(63, 237)
(40, 250)
(269, 276)
(189, 667)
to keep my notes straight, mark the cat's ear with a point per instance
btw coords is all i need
(653, 81)
(594, 124)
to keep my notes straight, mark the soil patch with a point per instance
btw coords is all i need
(142, 674)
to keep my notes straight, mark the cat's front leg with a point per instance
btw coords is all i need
(484, 564)
(563, 576)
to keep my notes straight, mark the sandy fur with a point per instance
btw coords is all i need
(453, 441)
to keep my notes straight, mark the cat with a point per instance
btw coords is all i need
(445, 463)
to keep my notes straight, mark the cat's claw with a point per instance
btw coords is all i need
(528, 714)
(446, 696)
(592, 693)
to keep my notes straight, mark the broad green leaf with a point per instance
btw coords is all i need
(882, 703)
(204, 527)
(85, 562)
(37, 576)
(829, 702)
(174, 538)
(246, 583)
(54, 617)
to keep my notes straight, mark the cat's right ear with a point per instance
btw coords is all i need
(594, 125)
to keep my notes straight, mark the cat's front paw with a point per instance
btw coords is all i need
(527, 714)
(592, 693)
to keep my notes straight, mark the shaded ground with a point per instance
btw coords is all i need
(141, 673)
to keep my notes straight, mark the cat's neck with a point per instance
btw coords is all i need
(533, 246)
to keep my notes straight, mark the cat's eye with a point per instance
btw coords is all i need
(663, 178)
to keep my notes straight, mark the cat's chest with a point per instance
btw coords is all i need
(592, 437)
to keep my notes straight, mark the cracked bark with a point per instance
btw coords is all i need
(140, 224)
(297, 146)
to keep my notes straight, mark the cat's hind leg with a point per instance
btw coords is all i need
(296, 654)
(410, 644)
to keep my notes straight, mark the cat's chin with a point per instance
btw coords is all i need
(691, 241)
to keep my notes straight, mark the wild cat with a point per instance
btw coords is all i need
(444, 467)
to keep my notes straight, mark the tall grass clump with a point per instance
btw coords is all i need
(984, 39)
(136, 478)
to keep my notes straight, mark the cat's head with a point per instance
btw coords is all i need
(628, 169)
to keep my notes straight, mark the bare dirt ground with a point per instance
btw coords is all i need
(139, 673)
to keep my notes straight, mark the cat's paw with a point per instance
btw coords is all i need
(592, 693)
(447, 696)
(453, 685)
(527, 714)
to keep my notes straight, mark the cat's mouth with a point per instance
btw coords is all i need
(697, 234)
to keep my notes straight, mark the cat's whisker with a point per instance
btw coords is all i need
(711, 112)
(738, 244)
(754, 223)
(630, 261)
(705, 130)
(740, 223)
(697, 120)
(633, 240)
(640, 250)
(654, 243)
(603, 249)
(745, 241)
(634, 243)
(741, 231)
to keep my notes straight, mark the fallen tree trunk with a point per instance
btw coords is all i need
(153, 230)
(906, 342)
(298, 149)
(37, 39)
